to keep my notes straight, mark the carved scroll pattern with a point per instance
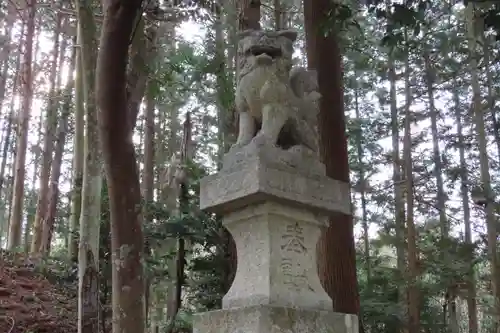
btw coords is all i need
(293, 253)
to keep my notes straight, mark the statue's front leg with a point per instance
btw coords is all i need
(274, 117)
(246, 129)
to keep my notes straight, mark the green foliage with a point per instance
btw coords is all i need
(340, 18)
(60, 272)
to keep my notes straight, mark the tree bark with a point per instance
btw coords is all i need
(78, 151)
(90, 215)
(120, 165)
(399, 209)
(249, 14)
(336, 252)
(491, 92)
(22, 141)
(48, 145)
(6, 51)
(464, 193)
(480, 132)
(438, 173)
(412, 292)
(148, 180)
(48, 226)
(363, 182)
(10, 119)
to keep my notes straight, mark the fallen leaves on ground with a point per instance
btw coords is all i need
(29, 303)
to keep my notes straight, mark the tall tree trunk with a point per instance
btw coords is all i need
(120, 164)
(10, 119)
(7, 140)
(7, 143)
(22, 140)
(336, 251)
(483, 160)
(180, 189)
(413, 292)
(249, 14)
(438, 173)
(397, 179)
(90, 217)
(78, 151)
(362, 182)
(225, 138)
(7, 47)
(48, 144)
(30, 209)
(464, 193)
(491, 94)
(148, 181)
(278, 15)
(32, 194)
(440, 194)
(10, 190)
(48, 226)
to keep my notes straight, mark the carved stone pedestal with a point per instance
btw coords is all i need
(275, 203)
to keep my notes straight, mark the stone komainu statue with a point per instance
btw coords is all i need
(276, 104)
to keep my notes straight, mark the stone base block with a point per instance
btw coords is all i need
(276, 247)
(272, 319)
(253, 175)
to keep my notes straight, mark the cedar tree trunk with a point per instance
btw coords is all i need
(336, 252)
(120, 18)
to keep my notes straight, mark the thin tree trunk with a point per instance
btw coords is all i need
(434, 113)
(22, 141)
(8, 139)
(278, 22)
(397, 179)
(58, 154)
(491, 93)
(6, 51)
(491, 221)
(90, 217)
(78, 151)
(31, 208)
(438, 174)
(7, 143)
(183, 196)
(413, 293)
(10, 119)
(48, 144)
(148, 181)
(362, 188)
(464, 181)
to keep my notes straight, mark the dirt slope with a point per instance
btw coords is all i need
(29, 303)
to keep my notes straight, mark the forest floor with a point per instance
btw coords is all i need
(33, 302)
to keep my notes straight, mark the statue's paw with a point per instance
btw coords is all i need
(261, 140)
(236, 146)
(313, 96)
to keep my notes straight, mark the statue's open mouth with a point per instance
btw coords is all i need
(258, 50)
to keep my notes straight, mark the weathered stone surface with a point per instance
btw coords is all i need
(279, 102)
(276, 246)
(268, 319)
(275, 203)
(256, 174)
